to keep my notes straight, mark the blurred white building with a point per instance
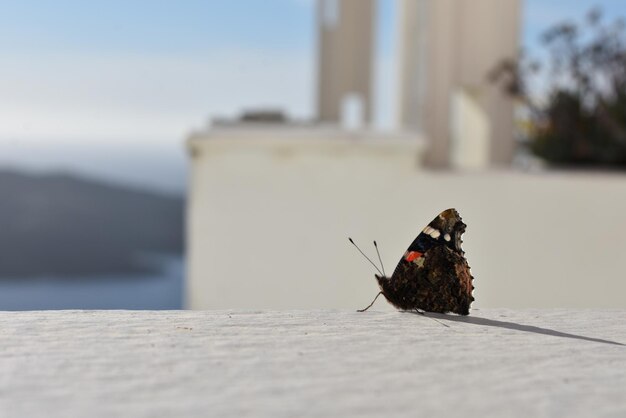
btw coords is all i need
(270, 209)
(447, 48)
(272, 202)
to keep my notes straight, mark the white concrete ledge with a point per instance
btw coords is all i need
(307, 140)
(312, 363)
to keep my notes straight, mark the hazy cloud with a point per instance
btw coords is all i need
(122, 96)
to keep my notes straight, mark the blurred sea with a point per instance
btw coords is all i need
(158, 291)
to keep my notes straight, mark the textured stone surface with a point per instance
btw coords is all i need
(312, 363)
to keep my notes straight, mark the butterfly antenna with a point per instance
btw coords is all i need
(366, 257)
(379, 259)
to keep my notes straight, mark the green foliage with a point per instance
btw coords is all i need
(581, 119)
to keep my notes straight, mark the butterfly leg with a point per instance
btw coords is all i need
(370, 305)
(423, 313)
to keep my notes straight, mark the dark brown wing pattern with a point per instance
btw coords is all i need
(433, 275)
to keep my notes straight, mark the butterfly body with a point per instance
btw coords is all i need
(433, 275)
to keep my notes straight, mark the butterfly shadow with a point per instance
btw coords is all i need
(476, 320)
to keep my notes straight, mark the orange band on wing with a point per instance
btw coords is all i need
(412, 255)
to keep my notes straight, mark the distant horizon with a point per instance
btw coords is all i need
(123, 182)
(160, 169)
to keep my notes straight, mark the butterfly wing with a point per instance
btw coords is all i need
(433, 274)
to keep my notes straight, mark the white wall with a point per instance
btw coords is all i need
(269, 221)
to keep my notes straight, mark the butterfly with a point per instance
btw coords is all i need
(433, 274)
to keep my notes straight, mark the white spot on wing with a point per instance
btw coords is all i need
(446, 237)
(435, 233)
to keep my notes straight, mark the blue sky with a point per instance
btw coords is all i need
(143, 26)
(146, 58)
(101, 74)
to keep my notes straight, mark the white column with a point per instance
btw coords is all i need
(346, 30)
(447, 46)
